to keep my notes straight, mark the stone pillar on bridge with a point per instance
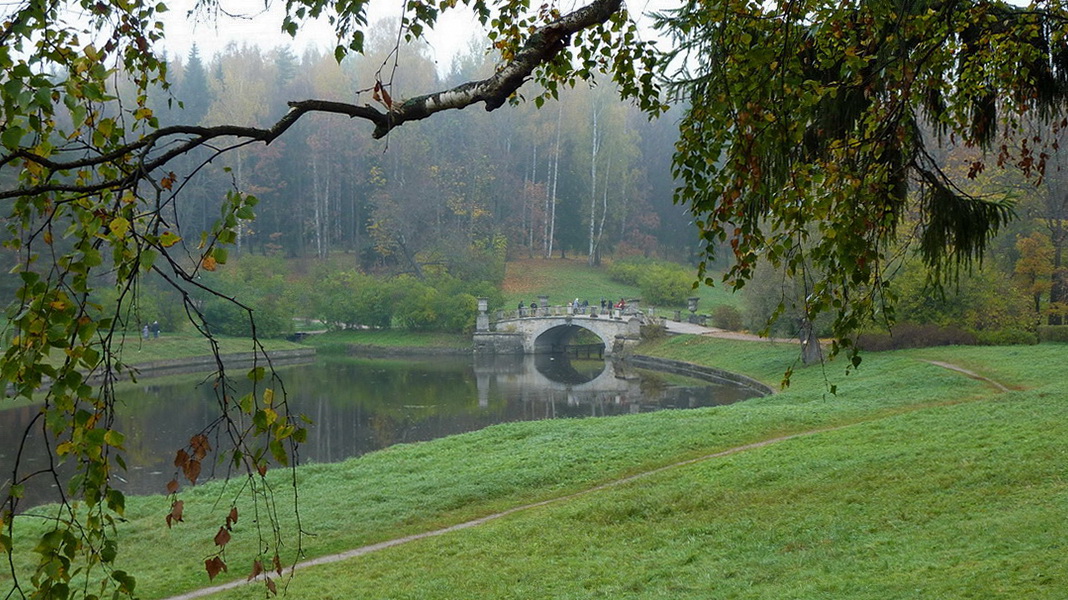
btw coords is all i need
(543, 303)
(482, 321)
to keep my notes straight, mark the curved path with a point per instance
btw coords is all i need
(332, 558)
(952, 367)
(363, 550)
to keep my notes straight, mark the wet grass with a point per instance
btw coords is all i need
(564, 280)
(937, 486)
(338, 341)
(135, 350)
(962, 501)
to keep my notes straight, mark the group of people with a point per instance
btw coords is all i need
(150, 329)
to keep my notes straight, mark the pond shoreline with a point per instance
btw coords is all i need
(237, 360)
(374, 350)
(195, 364)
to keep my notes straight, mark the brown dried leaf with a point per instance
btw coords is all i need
(232, 517)
(192, 471)
(214, 566)
(257, 570)
(200, 446)
(277, 564)
(271, 586)
(175, 516)
(222, 538)
(172, 486)
(381, 95)
(181, 459)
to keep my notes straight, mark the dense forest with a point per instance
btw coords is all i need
(581, 177)
(587, 176)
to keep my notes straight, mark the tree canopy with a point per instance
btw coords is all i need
(813, 129)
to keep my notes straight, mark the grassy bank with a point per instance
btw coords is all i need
(564, 280)
(340, 341)
(170, 346)
(932, 485)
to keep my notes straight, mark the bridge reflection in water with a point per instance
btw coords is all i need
(558, 386)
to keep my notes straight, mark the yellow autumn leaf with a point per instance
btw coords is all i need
(119, 226)
(208, 263)
(169, 239)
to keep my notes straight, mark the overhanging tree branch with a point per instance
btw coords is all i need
(542, 47)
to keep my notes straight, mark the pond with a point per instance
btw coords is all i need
(359, 405)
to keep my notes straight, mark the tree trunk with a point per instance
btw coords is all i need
(529, 205)
(595, 145)
(1058, 289)
(811, 352)
(604, 215)
(551, 220)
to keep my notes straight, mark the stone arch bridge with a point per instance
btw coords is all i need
(551, 328)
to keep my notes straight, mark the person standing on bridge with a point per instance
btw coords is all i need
(522, 309)
(533, 308)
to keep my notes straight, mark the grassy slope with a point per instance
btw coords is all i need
(389, 339)
(939, 488)
(565, 280)
(136, 350)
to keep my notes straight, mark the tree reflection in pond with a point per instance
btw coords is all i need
(359, 405)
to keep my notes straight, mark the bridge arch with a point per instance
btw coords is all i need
(555, 337)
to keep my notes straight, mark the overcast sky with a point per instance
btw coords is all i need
(263, 27)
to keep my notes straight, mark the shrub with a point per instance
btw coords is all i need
(653, 331)
(727, 317)
(628, 271)
(1007, 337)
(665, 286)
(1053, 333)
(912, 335)
(415, 304)
(226, 318)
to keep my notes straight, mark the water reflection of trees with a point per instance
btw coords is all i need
(360, 405)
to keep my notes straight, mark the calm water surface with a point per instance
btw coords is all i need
(361, 405)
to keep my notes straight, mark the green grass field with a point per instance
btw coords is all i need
(565, 280)
(388, 338)
(914, 481)
(182, 345)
